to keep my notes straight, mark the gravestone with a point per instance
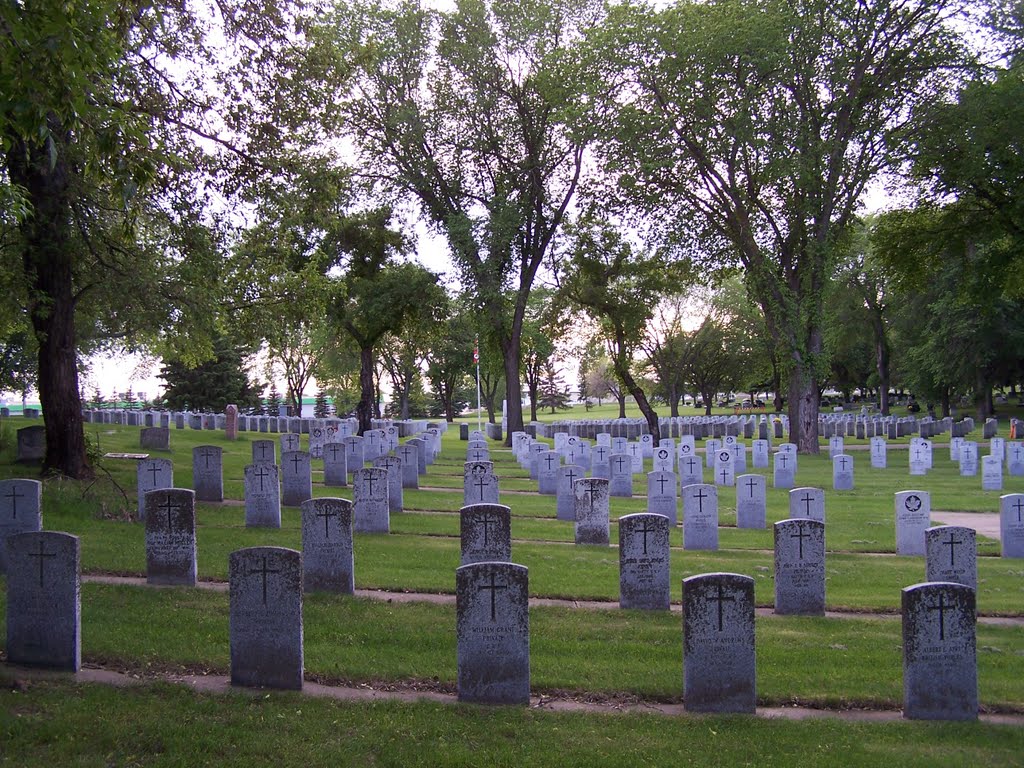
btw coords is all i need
(968, 459)
(951, 554)
(807, 504)
(600, 461)
(261, 484)
(409, 454)
(354, 456)
(335, 466)
(644, 562)
(328, 564)
(800, 568)
(171, 537)
(940, 666)
(290, 441)
(493, 633)
(719, 672)
(565, 503)
(913, 518)
(663, 495)
(370, 505)
(155, 439)
(621, 475)
(918, 458)
(835, 446)
(547, 472)
(700, 516)
(231, 422)
(784, 475)
(691, 470)
(842, 472)
(296, 478)
(151, 475)
(664, 460)
(1011, 524)
(486, 533)
(759, 454)
(592, 511)
(1015, 459)
(479, 485)
(265, 617)
(44, 614)
(393, 466)
(264, 452)
(31, 445)
(879, 450)
(725, 468)
(207, 477)
(20, 510)
(991, 473)
(751, 501)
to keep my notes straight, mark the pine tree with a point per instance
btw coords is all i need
(553, 394)
(320, 407)
(211, 385)
(273, 401)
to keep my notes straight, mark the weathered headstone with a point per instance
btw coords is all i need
(231, 422)
(592, 511)
(785, 471)
(800, 567)
(328, 564)
(393, 466)
(262, 488)
(621, 475)
(335, 465)
(751, 501)
(409, 454)
(296, 478)
(151, 475)
(663, 495)
(1011, 524)
(207, 475)
(171, 537)
(719, 672)
(21, 510)
(807, 503)
(155, 439)
(644, 562)
(370, 505)
(691, 470)
(700, 516)
(940, 666)
(493, 633)
(31, 445)
(951, 554)
(265, 617)
(354, 455)
(547, 472)
(913, 518)
(842, 472)
(565, 501)
(991, 473)
(44, 615)
(479, 485)
(486, 533)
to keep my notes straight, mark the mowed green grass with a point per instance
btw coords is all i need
(823, 662)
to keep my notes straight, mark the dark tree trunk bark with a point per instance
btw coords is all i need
(513, 395)
(48, 259)
(804, 401)
(364, 411)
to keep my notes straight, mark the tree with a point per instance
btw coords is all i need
(449, 363)
(295, 352)
(760, 124)
(554, 394)
(321, 408)
(212, 384)
(713, 365)
(461, 112)
(665, 345)
(273, 400)
(541, 328)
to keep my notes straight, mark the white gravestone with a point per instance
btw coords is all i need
(262, 496)
(1011, 524)
(913, 518)
(751, 501)
(700, 516)
(807, 503)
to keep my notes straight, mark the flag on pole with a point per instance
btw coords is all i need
(476, 351)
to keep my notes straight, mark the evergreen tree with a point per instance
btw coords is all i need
(554, 394)
(211, 385)
(320, 407)
(273, 401)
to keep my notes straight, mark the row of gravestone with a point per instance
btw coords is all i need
(266, 586)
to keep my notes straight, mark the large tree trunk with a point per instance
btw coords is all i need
(804, 400)
(367, 388)
(622, 371)
(48, 258)
(513, 387)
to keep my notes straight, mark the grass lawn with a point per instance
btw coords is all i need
(822, 662)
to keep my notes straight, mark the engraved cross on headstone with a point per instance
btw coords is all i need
(800, 538)
(486, 520)
(1018, 506)
(206, 454)
(661, 486)
(481, 483)
(721, 599)
(751, 483)
(261, 474)
(333, 448)
(952, 548)
(14, 496)
(493, 589)
(783, 460)
(264, 571)
(941, 608)
(296, 460)
(327, 514)
(41, 556)
(645, 530)
(154, 470)
(168, 507)
(807, 499)
(700, 496)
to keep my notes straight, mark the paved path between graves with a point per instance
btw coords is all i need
(449, 599)
(985, 523)
(221, 684)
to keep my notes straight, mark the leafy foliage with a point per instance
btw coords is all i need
(211, 385)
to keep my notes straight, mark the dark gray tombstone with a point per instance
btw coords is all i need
(262, 489)
(479, 485)
(621, 475)
(644, 562)
(719, 672)
(409, 454)
(751, 501)
(486, 533)
(1011, 524)
(155, 439)
(335, 465)
(264, 452)
(328, 564)
(44, 615)
(207, 476)
(21, 510)
(151, 475)
(370, 505)
(951, 554)
(290, 441)
(421, 455)
(565, 501)
(807, 503)
(700, 516)
(493, 633)
(592, 511)
(171, 537)
(940, 665)
(663, 495)
(913, 518)
(31, 445)
(799, 567)
(393, 466)
(296, 478)
(265, 617)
